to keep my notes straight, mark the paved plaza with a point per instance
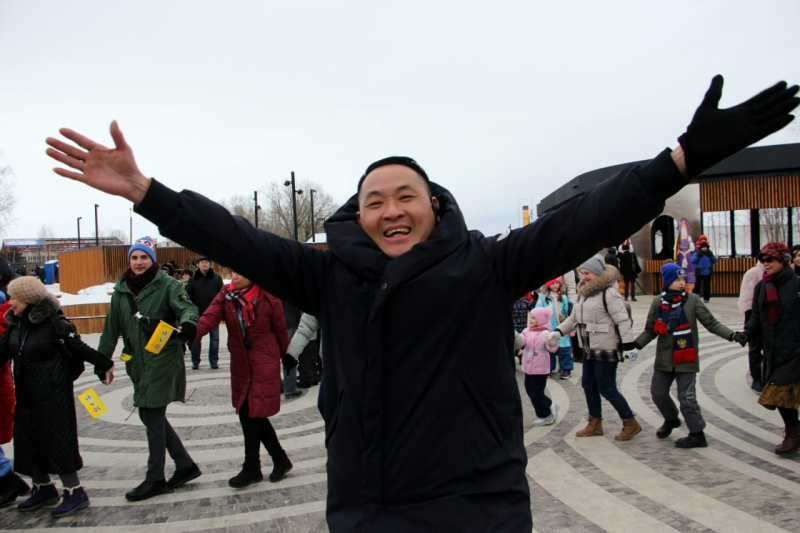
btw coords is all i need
(582, 485)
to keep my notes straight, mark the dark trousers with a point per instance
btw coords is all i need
(703, 283)
(213, 348)
(687, 396)
(534, 386)
(632, 284)
(161, 438)
(755, 356)
(309, 364)
(600, 379)
(258, 431)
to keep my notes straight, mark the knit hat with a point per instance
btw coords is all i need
(145, 244)
(670, 272)
(701, 240)
(542, 316)
(778, 250)
(557, 280)
(27, 289)
(595, 264)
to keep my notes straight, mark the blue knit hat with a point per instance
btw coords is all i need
(670, 272)
(145, 244)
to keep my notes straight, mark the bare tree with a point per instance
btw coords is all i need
(244, 206)
(773, 222)
(7, 199)
(118, 234)
(279, 209)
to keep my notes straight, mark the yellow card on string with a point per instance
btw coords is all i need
(160, 337)
(91, 401)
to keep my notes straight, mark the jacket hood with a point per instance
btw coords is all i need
(350, 244)
(609, 278)
(47, 306)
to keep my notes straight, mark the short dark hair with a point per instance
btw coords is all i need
(395, 160)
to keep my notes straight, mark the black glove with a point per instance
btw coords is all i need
(739, 337)
(638, 346)
(715, 134)
(289, 362)
(188, 332)
(629, 346)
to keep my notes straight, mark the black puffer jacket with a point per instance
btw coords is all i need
(781, 340)
(203, 288)
(423, 413)
(45, 423)
(6, 276)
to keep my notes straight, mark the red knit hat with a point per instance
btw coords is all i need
(557, 280)
(702, 239)
(778, 250)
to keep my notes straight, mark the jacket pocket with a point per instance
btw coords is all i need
(334, 422)
(482, 409)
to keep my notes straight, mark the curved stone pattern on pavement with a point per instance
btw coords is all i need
(584, 485)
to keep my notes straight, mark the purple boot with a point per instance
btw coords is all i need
(41, 495)
(74, 500)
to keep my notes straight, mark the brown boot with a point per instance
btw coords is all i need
(630, 427)
(594, 427)
(791, 441)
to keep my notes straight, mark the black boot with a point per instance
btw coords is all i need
(757, 385)
(245, 478)
(280, 469)
(666, 428)
(693, 440)
(147, 489)
(183, 476)
(11, 487)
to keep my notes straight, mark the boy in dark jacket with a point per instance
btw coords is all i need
(673, 320)
(423, 412)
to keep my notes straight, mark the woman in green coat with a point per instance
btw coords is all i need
(158, 379)
(673, 319)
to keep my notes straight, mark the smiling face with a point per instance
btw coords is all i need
(532, 322)
(395, 209)
(587, 276)
(771, 265)
(555, 286)
(17, 307)
(796, 257)
(140, 262)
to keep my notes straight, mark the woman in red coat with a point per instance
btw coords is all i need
(257, 340)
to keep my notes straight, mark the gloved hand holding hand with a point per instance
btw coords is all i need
(289, 362)
(740, 337)
(715, 133)
(187, 332)
(553, 337)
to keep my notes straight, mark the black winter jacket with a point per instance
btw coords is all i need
(203, 288)
(781, 340)
(629, 265)
(45, 423)
(423, 414)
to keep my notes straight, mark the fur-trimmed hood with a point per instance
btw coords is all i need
(47, 306)
(609, 278)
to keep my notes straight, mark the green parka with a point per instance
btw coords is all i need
(158, 379)
(696, 311)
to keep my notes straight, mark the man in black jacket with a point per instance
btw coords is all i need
(202, 288)
(422, 408)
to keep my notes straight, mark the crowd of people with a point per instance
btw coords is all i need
(423, 419)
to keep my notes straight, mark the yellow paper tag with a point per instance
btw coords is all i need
(91, 401)
(125, 357)
(160, 337)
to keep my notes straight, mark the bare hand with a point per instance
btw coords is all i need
(112, 171)
(109, 376)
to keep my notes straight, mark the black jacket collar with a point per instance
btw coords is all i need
(198, 274)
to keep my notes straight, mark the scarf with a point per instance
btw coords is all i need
(137, 283)
(245, 299)
(773, 306)
(671, 319)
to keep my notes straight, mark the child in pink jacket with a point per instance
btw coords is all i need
(536, 364)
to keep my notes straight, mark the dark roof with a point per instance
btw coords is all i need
(776, 159)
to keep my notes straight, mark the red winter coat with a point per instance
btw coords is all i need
(7, 399)
(255, 373)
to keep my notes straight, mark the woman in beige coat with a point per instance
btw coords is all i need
(604, 332)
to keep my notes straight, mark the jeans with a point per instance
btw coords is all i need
(534, 386)
(258, 431)
(703, 284)
(213, 348)
(600, 379)
(632, 284)
(161, 438)
(289, 381)
(5, 464)
(687, 396)
(565, 361)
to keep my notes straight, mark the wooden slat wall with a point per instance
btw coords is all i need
(80, 269)
(84, 326)
(726, 279)
(750, 193)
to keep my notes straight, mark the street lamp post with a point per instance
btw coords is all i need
(313, 229)
(257, 207)
(295, 192)
(96, 233)
(79, 232)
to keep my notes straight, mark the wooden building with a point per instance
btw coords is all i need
(743, 202)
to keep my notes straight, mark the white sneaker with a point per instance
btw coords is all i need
(548, 420)
(553, 411)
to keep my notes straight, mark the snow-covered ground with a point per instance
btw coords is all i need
(99, 294)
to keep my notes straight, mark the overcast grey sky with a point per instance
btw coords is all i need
(501, 102)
